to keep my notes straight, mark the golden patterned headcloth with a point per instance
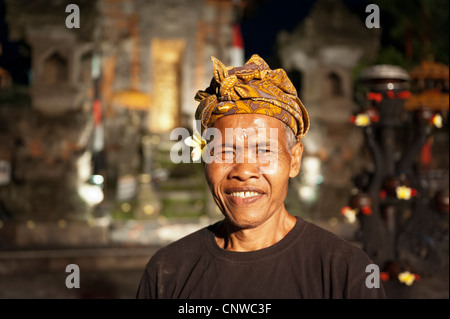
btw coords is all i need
(251, 89)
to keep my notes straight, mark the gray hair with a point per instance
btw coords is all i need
(290, 137)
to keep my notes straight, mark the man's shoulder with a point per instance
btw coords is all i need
(347, 262)
(326, 241)
(185, 247)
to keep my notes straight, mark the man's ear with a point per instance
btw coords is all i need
(296, 159)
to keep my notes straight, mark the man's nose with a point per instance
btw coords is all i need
(244, 171)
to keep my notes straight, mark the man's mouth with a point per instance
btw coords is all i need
(244, 195)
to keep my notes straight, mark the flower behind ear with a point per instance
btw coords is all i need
(198, 143)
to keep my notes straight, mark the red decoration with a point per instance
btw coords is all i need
(404, 95)
(352, 119)
(384, 276)
(366, 210)
(377, 97)
(382, 194)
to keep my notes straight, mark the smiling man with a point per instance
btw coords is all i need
(258, 250)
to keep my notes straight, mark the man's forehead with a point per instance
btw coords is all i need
(245, 136)
(252, 128)
(248, 121)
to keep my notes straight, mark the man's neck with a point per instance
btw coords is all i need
(267, 234)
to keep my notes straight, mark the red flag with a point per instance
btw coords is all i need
(425, 156)
(98, 144)
(237, 47)
(97, 110)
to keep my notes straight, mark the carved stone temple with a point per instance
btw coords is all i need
(92, 126)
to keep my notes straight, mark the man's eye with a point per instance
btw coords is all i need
(263, 151)
(226, 151)
(221, 152)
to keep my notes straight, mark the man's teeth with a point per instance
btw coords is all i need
(244, 194)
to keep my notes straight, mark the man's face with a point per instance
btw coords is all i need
(252, 187)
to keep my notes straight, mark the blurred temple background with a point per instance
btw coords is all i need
(87, 111)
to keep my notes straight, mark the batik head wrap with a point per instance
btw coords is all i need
(251, 89)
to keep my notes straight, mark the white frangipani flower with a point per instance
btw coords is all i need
(198, 143)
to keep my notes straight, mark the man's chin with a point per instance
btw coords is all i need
(239, 223)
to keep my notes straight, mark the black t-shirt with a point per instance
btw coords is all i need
(309, 262)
